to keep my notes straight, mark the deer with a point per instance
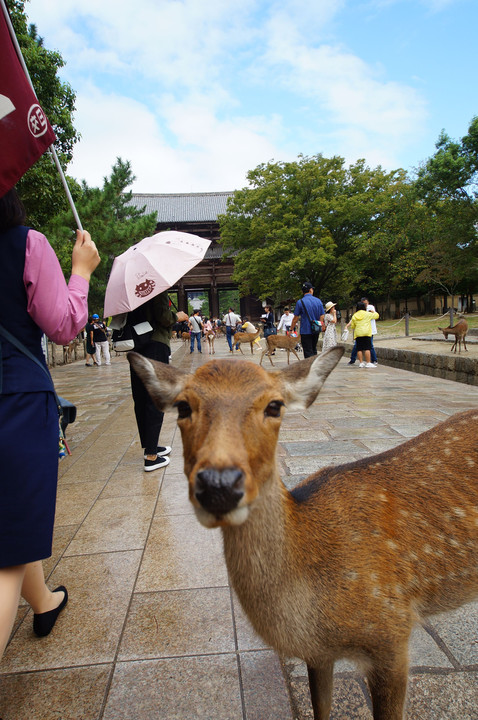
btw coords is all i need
(185, 337)
(346, 563)
(210, 337)
(459, 331)
(69, 350)
(288, 342)
(246, 337)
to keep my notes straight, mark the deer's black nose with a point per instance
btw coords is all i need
(219, 491)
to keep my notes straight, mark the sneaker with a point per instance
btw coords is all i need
(159, 462)
(161, 451)
(371, 365)
(351, 362)
(362, 364)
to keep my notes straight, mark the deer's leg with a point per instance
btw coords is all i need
(387, 681)
(292, 350)
(320, 684)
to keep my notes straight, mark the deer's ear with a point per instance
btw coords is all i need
(163, 382)
(301, 382)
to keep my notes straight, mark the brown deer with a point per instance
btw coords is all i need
(346, 563)
(210, 337)
(288, 342)
(459, 331)
(245, 337)
(70, 350)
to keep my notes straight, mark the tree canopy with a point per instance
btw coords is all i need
(350, 230)
(114, 223)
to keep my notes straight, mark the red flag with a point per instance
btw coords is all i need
(25, 132)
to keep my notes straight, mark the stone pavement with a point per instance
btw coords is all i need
(152, 629)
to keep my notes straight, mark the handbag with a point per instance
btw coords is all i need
(316, 325)
(123, 339)
(270, 330)
(345, 335)
(134, 334)
(66, 409)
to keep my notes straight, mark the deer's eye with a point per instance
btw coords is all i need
(184, 409)
(273, 409)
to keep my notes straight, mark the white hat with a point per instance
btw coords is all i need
(330, 305)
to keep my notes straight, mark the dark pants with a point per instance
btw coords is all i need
(309, 344)
(230, 332)
(353, 354)
(148, 418)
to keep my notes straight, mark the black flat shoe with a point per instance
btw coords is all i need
(43, 623)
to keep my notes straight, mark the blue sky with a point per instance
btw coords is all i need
(197, 92)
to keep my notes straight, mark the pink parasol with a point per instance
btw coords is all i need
(150, 267)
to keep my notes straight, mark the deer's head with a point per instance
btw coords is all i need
(229, 414)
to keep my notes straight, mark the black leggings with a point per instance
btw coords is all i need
(148, 418)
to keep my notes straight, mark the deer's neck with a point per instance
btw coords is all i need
(262, 561)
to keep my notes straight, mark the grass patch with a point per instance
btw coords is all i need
(423, 325)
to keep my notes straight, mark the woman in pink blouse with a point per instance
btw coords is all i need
(34, 299)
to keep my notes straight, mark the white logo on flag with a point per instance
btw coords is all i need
(37, 121)
(6, 106)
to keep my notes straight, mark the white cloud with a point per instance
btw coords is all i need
(193, 66)
(207, 154)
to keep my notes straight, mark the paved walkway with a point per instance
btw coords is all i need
(152, 629)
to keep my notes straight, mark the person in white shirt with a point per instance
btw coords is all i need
(285, 321)
(195, 329)
(230, 320)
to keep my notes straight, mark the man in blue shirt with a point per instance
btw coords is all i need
(309, 308)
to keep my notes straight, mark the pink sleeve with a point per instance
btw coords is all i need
(60, 310)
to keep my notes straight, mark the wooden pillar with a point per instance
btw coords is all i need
(182, 298)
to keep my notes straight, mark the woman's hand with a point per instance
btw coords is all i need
(85, 258)
(181, 316)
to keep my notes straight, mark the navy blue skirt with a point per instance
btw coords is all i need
(28, 476)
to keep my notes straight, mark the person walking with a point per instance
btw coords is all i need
(361, 323)
(195, 330)
(34, 299)
(230, 320)
(100, 340)
(330, 322)
(309, 310)
(157, 346)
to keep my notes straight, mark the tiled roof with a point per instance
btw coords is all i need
(190, 207)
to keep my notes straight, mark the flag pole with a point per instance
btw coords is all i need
(52, 147)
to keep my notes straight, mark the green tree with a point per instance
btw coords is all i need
(391, 253)
(298, 221)
(448, 185)
(40, 188)
(114, 223)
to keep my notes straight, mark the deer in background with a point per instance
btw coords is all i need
(459, 331)
(246, 337)
(346, 563)
(70, 350)
(210, 337)
(288, 342)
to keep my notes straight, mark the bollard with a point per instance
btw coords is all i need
(407, 324)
